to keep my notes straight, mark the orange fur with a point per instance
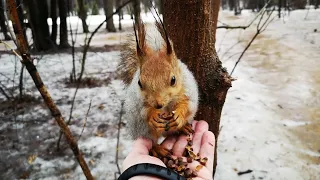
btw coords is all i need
(157, 67)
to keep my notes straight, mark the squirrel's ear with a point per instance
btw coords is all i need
(140, 38)
(164, 35)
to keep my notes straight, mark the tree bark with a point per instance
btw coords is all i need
(120, 14)
(108, 10)
(54, 17)
(192, 27)
(63, 24)
(136, 10)
(2, 22)
(21, 17)
(83, 16)
(39, 24)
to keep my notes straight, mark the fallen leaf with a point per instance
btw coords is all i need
(31, 158)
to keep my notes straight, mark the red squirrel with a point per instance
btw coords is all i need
(156, 82)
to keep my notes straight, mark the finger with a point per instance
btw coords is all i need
(169, 142)
(142, 146)
(194, 124)
(207, 148)
(180, 145)
(201, 127)
(202, 173)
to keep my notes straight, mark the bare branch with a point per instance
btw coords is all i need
(27, 61)
(85, 121)
(260, 29)
(85, 51)
(118, 140)
(4, 92)
(11, 49)
(226, 26)
(87, 43)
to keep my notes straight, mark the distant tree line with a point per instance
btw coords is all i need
(34, 14)
(256, 5)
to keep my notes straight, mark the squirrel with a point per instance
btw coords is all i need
(161, 92)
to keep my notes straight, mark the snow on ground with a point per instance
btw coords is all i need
(270, 121)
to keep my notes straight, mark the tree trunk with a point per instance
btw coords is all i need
(83, 16)
(279, 8)
(231, 5)
(136, 10)
(108, 10)
(118, 3)
(39, 24)
(21, 17)
(54, 17)
(63, 24)
(192, 28)
(2, 22)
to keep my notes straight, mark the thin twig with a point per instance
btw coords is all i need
(85, 121)
(27, 61)
(85, 50)
(118, 141)
(11, 49)
(87, 44)
(4, 92)
(70, 115)
(226, 26)
(260, 29)
(231, 47)
(305, 18)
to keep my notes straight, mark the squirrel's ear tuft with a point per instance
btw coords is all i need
(140, 38)
(164, 35)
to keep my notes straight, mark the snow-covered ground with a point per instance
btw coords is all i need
(270, 121)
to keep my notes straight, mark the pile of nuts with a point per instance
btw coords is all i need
(180, 166)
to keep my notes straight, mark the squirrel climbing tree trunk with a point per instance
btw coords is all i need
(192, 28)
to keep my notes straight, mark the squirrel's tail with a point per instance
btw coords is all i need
(128, 61)
(138, 46)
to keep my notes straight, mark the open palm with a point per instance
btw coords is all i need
(203, 143)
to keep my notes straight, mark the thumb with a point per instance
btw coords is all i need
(142, 146)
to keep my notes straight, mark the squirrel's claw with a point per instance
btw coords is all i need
(160, 152)
(187, 129)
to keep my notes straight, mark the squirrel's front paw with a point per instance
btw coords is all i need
(177, 122)
(157, 123)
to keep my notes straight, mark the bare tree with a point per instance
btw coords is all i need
(27, 61)
(83, 15)
(136, 10)
(39, 25)
(63, 24)
(108, 10)
(2, 22)
(54, 17)
(120, 14)
(192, 28)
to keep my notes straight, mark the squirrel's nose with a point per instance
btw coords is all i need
(158, 106)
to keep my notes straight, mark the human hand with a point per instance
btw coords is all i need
(203, 143)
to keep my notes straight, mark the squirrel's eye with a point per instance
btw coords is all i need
(140, 84)
(173, 80)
